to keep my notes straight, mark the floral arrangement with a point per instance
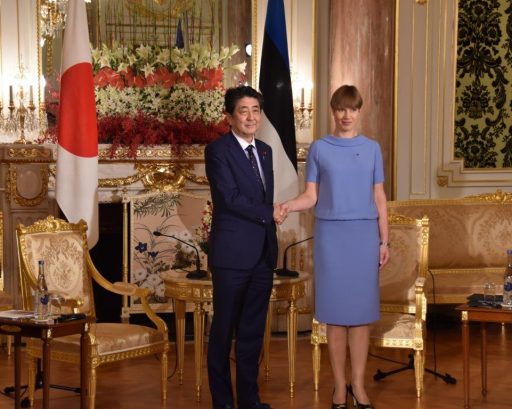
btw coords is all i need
(203, 231)
(149, 95)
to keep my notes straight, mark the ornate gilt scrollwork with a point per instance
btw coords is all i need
(14, 194)
(442, 181)
(155, 152)
(497, 197)
(158, 176)
(31, 154)
(169, 176)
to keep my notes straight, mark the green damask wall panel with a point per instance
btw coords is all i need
(483, 117)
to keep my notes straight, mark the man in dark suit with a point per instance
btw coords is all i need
(243, 249)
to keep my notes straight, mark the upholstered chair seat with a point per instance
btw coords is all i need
(69, 272)
(394, 326)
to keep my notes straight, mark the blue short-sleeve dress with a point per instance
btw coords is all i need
(346, 245)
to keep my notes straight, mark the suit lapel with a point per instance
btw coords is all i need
(266, 166)
(240, 157)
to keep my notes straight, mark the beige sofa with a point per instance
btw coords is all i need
(468, 242)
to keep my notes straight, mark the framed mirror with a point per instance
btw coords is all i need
(199, 43)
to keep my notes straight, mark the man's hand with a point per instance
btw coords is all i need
(280, 212)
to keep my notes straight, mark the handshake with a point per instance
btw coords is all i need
(281, 211)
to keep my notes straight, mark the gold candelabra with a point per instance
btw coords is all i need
(303, 112)
(303, 115)
(19, 118)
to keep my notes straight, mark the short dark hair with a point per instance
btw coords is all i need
(233, 95)
(346, 96)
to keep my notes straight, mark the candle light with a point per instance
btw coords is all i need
(302, 96)
(11, 99)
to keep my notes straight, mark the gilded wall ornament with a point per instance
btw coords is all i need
(13, 192)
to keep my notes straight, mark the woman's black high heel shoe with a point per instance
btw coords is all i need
(339, 405)
(358, 405)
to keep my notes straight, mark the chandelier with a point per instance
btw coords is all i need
(52, 17)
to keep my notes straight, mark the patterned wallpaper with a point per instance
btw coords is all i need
(483, 117)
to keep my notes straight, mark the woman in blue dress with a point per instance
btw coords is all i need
(344, 183)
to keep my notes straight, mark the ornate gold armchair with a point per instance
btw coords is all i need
(69, 272)
(6, 301)
(402, 292)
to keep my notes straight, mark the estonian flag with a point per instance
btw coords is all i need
(277, 125)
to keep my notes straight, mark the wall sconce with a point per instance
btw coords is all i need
(303, 111)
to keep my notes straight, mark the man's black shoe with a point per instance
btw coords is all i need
(256, 405)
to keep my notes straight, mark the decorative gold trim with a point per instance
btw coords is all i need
(158, 176)
(14, 194)
(181, 152)
(442, 181)
(497, 197)
(254, 40)
(302, 152)
(30, 154)
(464, 316)
(421, 2)
(394, 146)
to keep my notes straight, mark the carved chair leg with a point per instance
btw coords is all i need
(165, 369)
(316, 366)
(92, 386)
(419, 370)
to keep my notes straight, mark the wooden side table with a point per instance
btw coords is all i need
(484, 316)
(200, 292)
(46, 331)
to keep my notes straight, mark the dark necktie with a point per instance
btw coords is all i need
(254, 165)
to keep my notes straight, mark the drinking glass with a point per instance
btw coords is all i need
(56, 301)
(489, 292)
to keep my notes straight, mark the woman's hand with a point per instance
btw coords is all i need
(384, 255)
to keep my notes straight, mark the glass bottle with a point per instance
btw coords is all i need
(507, 281)
(42, 297)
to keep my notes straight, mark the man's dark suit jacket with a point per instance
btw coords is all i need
(242, 214)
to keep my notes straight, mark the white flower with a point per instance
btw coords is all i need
(104, 60)
(238, 67)
(144, 51)
(122, 67)
(154, 280)
(140, 275)
(148, 70)
(132, 59)
(160, 290)
(163, 56)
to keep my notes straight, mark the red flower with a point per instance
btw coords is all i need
(103, 77)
